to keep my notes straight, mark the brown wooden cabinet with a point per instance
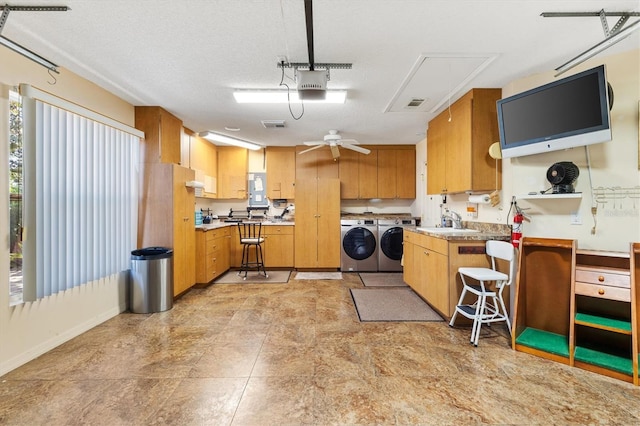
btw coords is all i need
(281, 172)
(317, 229)
(458, 142)
(316, 164)
(278, 246)
(358, 174)
(431, 267)
(212, 254)
(163, 135)
(232, 172)
(396, 173)
(166, 218)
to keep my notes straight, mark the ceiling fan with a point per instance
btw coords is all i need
(334, 140)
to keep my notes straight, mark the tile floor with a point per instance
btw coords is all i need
(296, 354)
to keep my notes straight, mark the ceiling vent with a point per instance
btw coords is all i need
(415, 102)
(273, 124)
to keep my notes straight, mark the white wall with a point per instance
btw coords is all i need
(613, 164)
(31, 329)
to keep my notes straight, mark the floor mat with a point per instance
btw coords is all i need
(391, 304)
(274, 277)
(382, 279)
(318, 276)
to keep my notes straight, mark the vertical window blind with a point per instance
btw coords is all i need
(81, 187)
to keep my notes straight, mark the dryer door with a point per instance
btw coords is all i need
(359, 243)
(391, 243)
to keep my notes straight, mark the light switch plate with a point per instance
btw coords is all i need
(576, 219)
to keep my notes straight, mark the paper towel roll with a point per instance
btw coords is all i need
(480, 199)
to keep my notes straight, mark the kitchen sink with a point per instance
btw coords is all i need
(448, 230)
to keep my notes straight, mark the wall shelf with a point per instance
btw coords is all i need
(548, 196)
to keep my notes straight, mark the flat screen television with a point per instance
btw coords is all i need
(566, 113)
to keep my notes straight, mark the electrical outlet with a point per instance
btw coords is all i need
(575, 218)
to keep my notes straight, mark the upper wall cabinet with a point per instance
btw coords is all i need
(358, 174)
(232, 172)
(458, 142)
(315, 164)
(397, 172)
(281, 172)
(163, 135)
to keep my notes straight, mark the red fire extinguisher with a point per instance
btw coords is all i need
(516, 228)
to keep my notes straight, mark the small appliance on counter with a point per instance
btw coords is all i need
(207, 217)
(237, 216)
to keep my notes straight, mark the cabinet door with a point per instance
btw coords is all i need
(184, 231)
(306, 229)
(328, 228)
(458, 155)
(368, 174)
(281, 172)
(436, 154)
(348, 166)
(170, 137)
(163, 135)
(316, 164)
(406, 173)
(278, 248)
(232, 172)
(408, 272)
(436, 284)
(387, 173)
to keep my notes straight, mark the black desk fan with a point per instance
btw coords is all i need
(562, 176)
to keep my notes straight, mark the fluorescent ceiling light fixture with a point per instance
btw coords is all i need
(280, 97)
(28, 54)
(228, 140)
(603, 45)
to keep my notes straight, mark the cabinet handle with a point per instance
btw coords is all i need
(600, 291)
(601, 278)
(426, 252)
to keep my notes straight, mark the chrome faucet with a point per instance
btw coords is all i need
(455, 217)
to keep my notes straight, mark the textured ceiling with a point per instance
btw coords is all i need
(188, 55)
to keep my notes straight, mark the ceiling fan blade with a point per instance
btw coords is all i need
(351, 141)
(356, 148)
(334, 151)
(312, 148)
(314, 143)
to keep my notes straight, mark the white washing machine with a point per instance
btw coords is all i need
(390, 233)
(359, 245)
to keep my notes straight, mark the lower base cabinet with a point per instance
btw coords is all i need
(212, 254)
(277, 249)
(431, 268)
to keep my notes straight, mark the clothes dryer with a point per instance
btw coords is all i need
(359, 245)
(390, 250)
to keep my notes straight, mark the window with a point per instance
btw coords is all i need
(79, 197)
(15, 197)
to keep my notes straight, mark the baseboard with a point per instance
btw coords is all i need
(59, 339)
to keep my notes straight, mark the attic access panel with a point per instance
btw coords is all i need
(436, 78)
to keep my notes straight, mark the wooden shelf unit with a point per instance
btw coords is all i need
(602, 332)
(541, 319)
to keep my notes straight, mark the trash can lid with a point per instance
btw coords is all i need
(151, 253)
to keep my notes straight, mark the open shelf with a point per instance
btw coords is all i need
(602, 359)
(604, 323)
(538, 196)
(545, 341)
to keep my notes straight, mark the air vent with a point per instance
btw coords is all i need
(415, 102)
(273, 124)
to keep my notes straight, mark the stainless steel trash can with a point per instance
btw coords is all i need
(151, 283)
